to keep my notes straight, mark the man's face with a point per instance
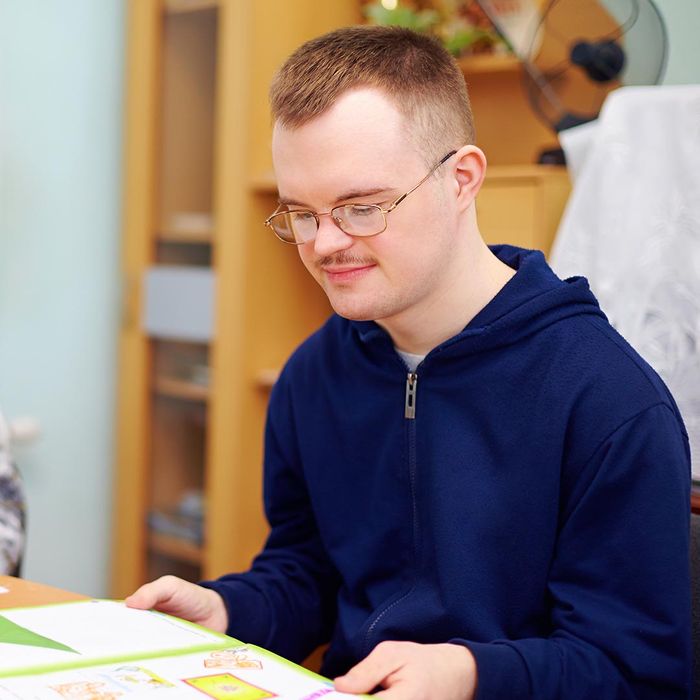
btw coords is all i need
(359, 151)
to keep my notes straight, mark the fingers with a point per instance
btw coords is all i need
(409, 671)
(184, 599)
(156, 594)
(377, 669)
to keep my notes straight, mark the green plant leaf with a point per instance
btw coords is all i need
(422, 21)
(462, 39)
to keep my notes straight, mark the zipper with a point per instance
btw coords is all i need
(411, 391)
(409, 413)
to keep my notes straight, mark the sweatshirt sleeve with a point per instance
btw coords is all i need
(619, 582)
(286, 601)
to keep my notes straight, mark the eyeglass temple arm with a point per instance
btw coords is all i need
(398, 201)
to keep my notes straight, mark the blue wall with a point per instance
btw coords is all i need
(61, 66)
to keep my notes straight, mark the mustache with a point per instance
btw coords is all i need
(344, 259)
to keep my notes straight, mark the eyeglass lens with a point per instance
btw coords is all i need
(354, 219)
(359, 219)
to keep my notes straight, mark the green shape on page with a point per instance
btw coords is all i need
(12, 633)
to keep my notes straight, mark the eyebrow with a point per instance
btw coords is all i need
(344, 197)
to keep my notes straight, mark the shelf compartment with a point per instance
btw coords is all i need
(188, 98)
(179, 363)
(184, 252)
(178, 451)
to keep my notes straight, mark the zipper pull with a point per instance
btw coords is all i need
(411, 389)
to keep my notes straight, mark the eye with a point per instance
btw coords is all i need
(362, 210)
(302, 216)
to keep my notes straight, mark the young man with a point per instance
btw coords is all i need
(475, 487)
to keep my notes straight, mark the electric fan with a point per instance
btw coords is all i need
(574, 52)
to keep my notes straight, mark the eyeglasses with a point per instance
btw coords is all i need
(298, 226)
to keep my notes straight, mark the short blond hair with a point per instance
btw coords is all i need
(414, 71)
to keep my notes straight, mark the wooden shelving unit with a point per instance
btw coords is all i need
(191, 413)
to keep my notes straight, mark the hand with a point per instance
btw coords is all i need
(181, 598)
(411, 671)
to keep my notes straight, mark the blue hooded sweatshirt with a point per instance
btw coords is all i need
(524, 493)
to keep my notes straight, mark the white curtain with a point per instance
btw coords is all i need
(632, 227)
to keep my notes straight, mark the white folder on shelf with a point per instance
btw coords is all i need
(179, 303)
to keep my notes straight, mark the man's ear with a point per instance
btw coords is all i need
(469, 170)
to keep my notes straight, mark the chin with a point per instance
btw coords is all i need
(353, 314)
(370, 305)
(353, 311)
(363, 312)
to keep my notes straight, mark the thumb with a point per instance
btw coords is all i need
(145, 598)
(162, 594)
(368, 674)
(184, 599)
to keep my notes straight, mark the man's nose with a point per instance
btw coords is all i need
(330, 238)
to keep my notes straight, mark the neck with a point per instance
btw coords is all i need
(474, 279)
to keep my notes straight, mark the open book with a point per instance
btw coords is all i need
(102, 650)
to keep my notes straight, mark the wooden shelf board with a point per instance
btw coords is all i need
(264, 183)
(175, 548)
(525, 172)
(184, 236)
(180, 6)
(180, 389)
(489, 63)
(265, 378)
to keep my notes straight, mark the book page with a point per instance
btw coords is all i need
(237, 673)
(71, 634)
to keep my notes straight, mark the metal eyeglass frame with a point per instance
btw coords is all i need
(338, 220)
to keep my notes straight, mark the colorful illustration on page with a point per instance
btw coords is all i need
(136, 678)
(231, 658)
(224, 686)
(86, 690)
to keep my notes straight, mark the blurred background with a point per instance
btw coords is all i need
(143, 309)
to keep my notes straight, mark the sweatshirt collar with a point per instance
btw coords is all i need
(533, 297)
